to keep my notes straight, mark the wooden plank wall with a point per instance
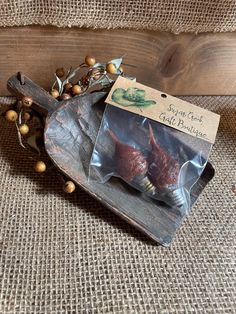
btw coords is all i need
(185, 64)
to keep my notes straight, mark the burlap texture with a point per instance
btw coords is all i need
(68, 254)
(167, 15)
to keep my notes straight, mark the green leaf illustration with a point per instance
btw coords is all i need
(134, 94)
(131, 97)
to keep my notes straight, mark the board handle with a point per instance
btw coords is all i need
(20, 86)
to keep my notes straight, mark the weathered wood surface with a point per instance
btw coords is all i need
(70, 134)
(185, 64)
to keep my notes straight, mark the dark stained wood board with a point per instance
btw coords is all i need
(185, 64)
(70, 134)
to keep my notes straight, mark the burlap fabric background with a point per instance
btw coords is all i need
(68, 254)
(168, 15)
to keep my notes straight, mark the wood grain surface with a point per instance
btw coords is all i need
(185, 64)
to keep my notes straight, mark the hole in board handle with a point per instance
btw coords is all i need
(163, 95)
(21, 78)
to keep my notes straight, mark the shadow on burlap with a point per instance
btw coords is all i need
(68, 254)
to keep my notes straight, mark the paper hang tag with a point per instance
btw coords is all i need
(158, 106)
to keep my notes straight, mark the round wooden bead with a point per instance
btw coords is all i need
(11, 115)
(90, 61)
(60, 72)
(54, 92)
(76, 90)
(65, 96)
(68, 87)
(69, 187)
(40, 166)
(26, 116)
(24, 129)
(27, 101)
(111, 68)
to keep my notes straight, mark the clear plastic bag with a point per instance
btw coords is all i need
(159, 161)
